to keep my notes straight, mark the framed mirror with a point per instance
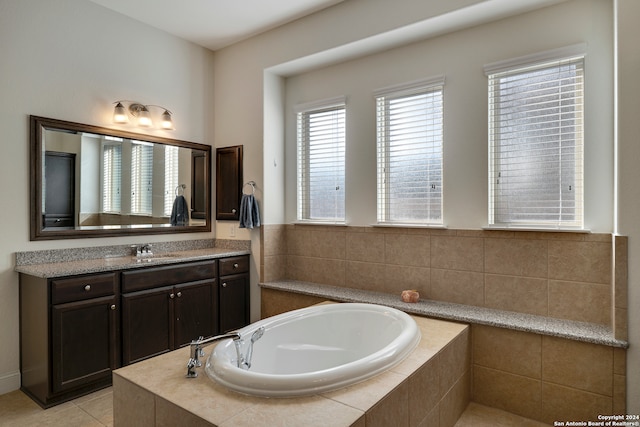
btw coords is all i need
(90, 181)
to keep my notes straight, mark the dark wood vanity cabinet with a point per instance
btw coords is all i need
(69, 335)
(234, 293)
(166, 307)
(75, 330)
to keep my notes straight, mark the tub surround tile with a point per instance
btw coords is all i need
(579, 331)
(158, 388)
(455, 401)
(565, 403)
(367, 247)
(526, 257)
(584, 302)
(580, 261)
(513, 393)
(398, 278)
(515, 293)
(578, 365)
(457, 253)
(407, 249)
(460, 287)
(515, 352)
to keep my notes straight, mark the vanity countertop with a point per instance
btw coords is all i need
(87, 266)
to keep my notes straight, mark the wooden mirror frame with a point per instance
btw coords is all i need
(37, 230)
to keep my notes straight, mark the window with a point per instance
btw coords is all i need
(409, 134)
(141, 178)
(111, 175)
(170, 177)
(536, 144)
(321, 161)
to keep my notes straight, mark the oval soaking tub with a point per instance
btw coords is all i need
(315, 349)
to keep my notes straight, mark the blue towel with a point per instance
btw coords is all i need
(180, 211)
(249, 212)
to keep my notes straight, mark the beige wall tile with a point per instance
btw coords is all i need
(511, 351)
(407, 249)
(274, 302)
(424, 392)
(327, 244)
(514, 293)
(365, 395)
(620, 361)
(621, 324)
(577, 365)
(461, 287)
(580, 261)
(432, 419)
(457, 253)
(455, 401)
(512, 393)
(170, 415)
(398, 278)
(367, 247)
(584, 302)
(454, 360)
(365, 275)
(304, 411)
(274, 240)
(516, 257)
(567, 404)
(299, 268)
(132, 405)
(393, 410)
(298, 239)
(621, 270)
(274, 268)
(619, 394)
(327, 271)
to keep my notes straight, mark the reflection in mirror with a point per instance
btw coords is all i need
(90, 181)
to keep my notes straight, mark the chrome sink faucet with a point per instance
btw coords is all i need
(142, 251)
(197, 352)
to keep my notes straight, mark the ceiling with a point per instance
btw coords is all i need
(215, 24)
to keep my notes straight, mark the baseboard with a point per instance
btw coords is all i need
(9, 382)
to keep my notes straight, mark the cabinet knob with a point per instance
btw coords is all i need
(235, 265)
(224, 285)
(113, 307)
(179, 294)
(172, 295)
(233, 211)
(87, 288)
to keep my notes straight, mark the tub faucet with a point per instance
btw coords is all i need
(245, 361)
(197, 352)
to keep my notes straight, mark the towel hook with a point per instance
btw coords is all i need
(180, 190)
(253, 187)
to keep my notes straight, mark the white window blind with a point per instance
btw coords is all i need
(170, 177)
(536, 144)
(321, 163)
(409, 153)
(111, 177)
(141, 177)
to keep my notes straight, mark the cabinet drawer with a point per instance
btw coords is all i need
(154, 277)
(82, 288)
(234, 265)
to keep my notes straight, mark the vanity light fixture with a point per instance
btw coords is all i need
(142, 114)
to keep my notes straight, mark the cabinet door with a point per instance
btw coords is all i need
(195, 307)
(228, 182)
(234, 302)
(147, 323)
(84, 342)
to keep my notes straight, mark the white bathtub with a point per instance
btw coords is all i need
(316, 349)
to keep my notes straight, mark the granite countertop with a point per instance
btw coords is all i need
(57, 265)
(578, 331)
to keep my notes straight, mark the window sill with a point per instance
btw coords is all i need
(505, 227)
(409, 225)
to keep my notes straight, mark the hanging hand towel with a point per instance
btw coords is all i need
(180, 211)
(249, 212)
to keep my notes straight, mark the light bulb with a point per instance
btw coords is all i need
(120, 114)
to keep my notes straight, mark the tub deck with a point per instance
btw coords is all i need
(431, 386)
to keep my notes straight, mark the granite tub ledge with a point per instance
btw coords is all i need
(105, 264)
(568, 329)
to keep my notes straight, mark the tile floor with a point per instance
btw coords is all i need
(95, 410)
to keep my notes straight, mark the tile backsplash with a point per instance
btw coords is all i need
(555, 274)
